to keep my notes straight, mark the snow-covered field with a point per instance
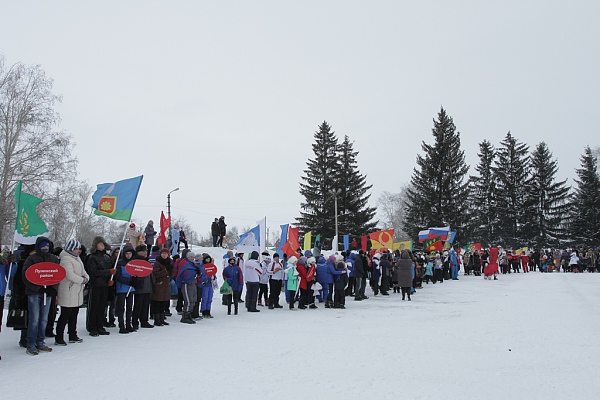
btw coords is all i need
(525, 336)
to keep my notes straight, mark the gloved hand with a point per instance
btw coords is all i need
(134, 282)
(113, 271)
(50, 291)
(111, 282)
(42, 290)
(85, 280)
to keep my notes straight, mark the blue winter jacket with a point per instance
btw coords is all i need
(202, 280)
(321, 270)
(187, 274)
(350, 265)
(233, 275)
(122, 278)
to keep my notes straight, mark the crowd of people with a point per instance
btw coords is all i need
(98, 279)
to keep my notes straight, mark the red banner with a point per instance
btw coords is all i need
(139, 268)
(45, 274)
(290, 248)
(363, 243)
(164, 226)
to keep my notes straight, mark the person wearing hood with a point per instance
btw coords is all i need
(454, 264)
(375, 280)
(232, 273)
(124, 304)
(405, 273)
(175, 240)
(161, 293)
(143, 290)
(38, 298)
(292, 279)
(207, 280)
(70, 292)
(100, 270)
(135, 236)
(252, 274)
(327, 274)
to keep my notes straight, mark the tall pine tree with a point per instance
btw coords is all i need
(511, 172)
(318, 181)
(585, 217)
(547, 201)
(334, 170)
(482, 201)
(438, 188)
(355, 216)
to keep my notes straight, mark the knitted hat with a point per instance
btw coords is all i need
(164, 250)
(190, 254)
(44, 243)
(332, 258)
(302, 260)
(141, 247)
(72, 244)
(311, 260)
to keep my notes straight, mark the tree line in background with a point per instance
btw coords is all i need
(514, 199)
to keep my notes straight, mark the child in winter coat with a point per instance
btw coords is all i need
(428, 272)
(209, 270)
(124, 293)
(292, 279)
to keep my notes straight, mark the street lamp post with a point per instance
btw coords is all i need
(169, 209)
(335, 194)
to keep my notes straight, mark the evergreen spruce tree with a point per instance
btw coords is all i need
(319, 179)
(585, 217)
(355, 217)
(482, 203)
(547, 201)
(511, 172)
(438, 188)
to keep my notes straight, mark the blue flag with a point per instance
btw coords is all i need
(346, 242)
(116, 200)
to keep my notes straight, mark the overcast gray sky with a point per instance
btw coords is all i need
(222, 98)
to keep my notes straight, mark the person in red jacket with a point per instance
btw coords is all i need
(525, 262)
(302, 274)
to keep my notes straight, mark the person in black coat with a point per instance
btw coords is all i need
(386, 272)
(100, 269)
(360, 276)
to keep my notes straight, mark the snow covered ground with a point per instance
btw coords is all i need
(526, 336)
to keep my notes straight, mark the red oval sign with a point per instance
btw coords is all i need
(139, 268)
(211, 269)
(45, 273)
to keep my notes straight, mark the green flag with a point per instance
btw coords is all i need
(29, 225)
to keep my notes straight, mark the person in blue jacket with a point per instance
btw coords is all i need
(454, 264)
(206, 282)
(125, 292)
(327, 280)
(186, 280)
(234, 277)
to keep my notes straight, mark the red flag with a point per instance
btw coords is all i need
(363, 242)
(164, 226)
(290, 248)
(475, 246)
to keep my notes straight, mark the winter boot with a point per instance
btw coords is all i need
(157, 321)
(327, 305)
(187, 318)
(59, 340)
(163, 319)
